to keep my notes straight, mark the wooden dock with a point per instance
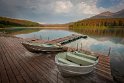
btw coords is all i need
(17, 65)
(69, 39)
(62, 41)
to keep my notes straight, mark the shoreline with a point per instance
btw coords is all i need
(39, 27)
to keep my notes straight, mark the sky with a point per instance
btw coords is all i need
(57, 11)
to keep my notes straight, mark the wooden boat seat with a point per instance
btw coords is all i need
(64, 61)
(85, 55)
(79, 60)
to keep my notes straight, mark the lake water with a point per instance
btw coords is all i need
(94, 43)
(46, 34)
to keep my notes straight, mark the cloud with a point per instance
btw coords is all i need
(80, 7)
(85, 8)
(63, 6)
(117, 7)
(54, 11)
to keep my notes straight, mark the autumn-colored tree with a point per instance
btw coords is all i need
(107, 22)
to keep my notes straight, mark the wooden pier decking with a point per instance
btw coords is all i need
(69, 38)
(17, 65)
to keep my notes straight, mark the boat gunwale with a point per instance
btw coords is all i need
(57, 62)
(42, 45)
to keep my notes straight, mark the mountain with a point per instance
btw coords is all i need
(10, 22)
(108, 14)
(103, 15)
(119, 14)
(105, 19)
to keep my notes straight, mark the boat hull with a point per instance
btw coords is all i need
(33, 48)
(71, 70)
(74, 71)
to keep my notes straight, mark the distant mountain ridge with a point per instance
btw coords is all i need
(10, 22)
(119, 14)
(105, 20)
(108, 14)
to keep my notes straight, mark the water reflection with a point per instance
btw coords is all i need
(19, 30)
(118, 32)
(95, 45)
(47, 34)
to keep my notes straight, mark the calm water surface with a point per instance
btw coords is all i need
(99, 44)
(46, 34)
(93, 43)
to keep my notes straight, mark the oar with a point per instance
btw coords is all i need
(77, 46)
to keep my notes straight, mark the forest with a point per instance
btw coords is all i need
(100, 23)
(9, 22)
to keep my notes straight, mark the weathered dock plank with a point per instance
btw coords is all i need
(19, 65)
(7, 62)
(3, 72)
(19, 72)
(24, 62)
(69, 39)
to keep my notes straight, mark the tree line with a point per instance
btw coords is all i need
(9, 22)
(107, 22)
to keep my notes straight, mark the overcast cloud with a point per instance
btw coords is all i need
(57, 11)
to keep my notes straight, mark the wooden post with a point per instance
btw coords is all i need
(81, 46)
(48, 38)
(109, 51)
(40, 37)
(67, 49)
(34, 36)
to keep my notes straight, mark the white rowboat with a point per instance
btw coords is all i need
(75, 63)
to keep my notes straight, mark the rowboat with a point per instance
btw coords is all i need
(37, 47)
(75, 63)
